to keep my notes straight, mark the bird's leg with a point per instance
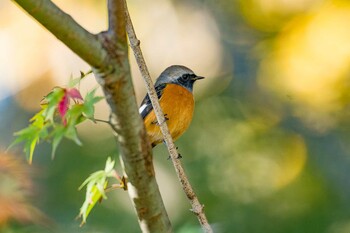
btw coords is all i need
(166, 117)
(178, 154)
(156, 122)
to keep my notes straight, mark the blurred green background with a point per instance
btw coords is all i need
(268, 148)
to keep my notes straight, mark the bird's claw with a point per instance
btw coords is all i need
(165, 119)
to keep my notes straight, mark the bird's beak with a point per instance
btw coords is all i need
(197, 78)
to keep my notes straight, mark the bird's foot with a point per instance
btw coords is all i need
(179, 156)
(165, 119)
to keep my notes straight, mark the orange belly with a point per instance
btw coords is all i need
(179, 111)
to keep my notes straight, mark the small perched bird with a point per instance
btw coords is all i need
(174, 88)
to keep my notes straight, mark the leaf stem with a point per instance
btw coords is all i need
(103, 121)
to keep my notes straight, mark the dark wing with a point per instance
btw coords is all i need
(146, 105)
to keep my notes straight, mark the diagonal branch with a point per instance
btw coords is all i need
(197, 208)
(63, 26)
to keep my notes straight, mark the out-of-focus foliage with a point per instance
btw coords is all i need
(16, 190)
(268, 148)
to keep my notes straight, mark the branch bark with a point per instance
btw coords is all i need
(116, 22)
(197, 208)
(136, 153)
(107, 53)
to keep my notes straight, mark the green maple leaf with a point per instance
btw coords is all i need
(89, 104)
(32, 134)
(51, 102)
(58, 133)
(73, 82)
(93, 195)
(62, 110)
(96, 184)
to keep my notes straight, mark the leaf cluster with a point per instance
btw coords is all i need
(61, 111)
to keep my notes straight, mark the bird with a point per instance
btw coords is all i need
(174, 88)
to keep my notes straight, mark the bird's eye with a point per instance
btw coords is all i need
(185, 77)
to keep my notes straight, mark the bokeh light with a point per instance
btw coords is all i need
(309, 62)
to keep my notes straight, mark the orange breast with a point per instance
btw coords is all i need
(178, 104)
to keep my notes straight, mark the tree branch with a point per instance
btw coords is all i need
(107, 53)
(116, 22)
(63, 26)
(136, 153)
(197, 208)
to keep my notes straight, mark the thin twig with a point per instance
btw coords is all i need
(102, 121)
(197, 208)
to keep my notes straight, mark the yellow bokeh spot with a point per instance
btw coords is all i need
(270, 15)
(310, 62)
(292, 162)
(255, 160)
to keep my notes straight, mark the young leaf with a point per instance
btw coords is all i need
(71, 133)
(93, 195)
(75, 114)
(63, 107)
(76, 81)
(31, 149)
(73, 82)
(74, 94)
(109, 166)
(57, 135)
(31, 135)
(51, 101)
(92, 178)
(96, 184)
(89, 104)
(64, 104)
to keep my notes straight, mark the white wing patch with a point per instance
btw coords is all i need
(142, 108)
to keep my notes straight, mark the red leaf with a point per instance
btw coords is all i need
(63, 107)
(74, 94)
